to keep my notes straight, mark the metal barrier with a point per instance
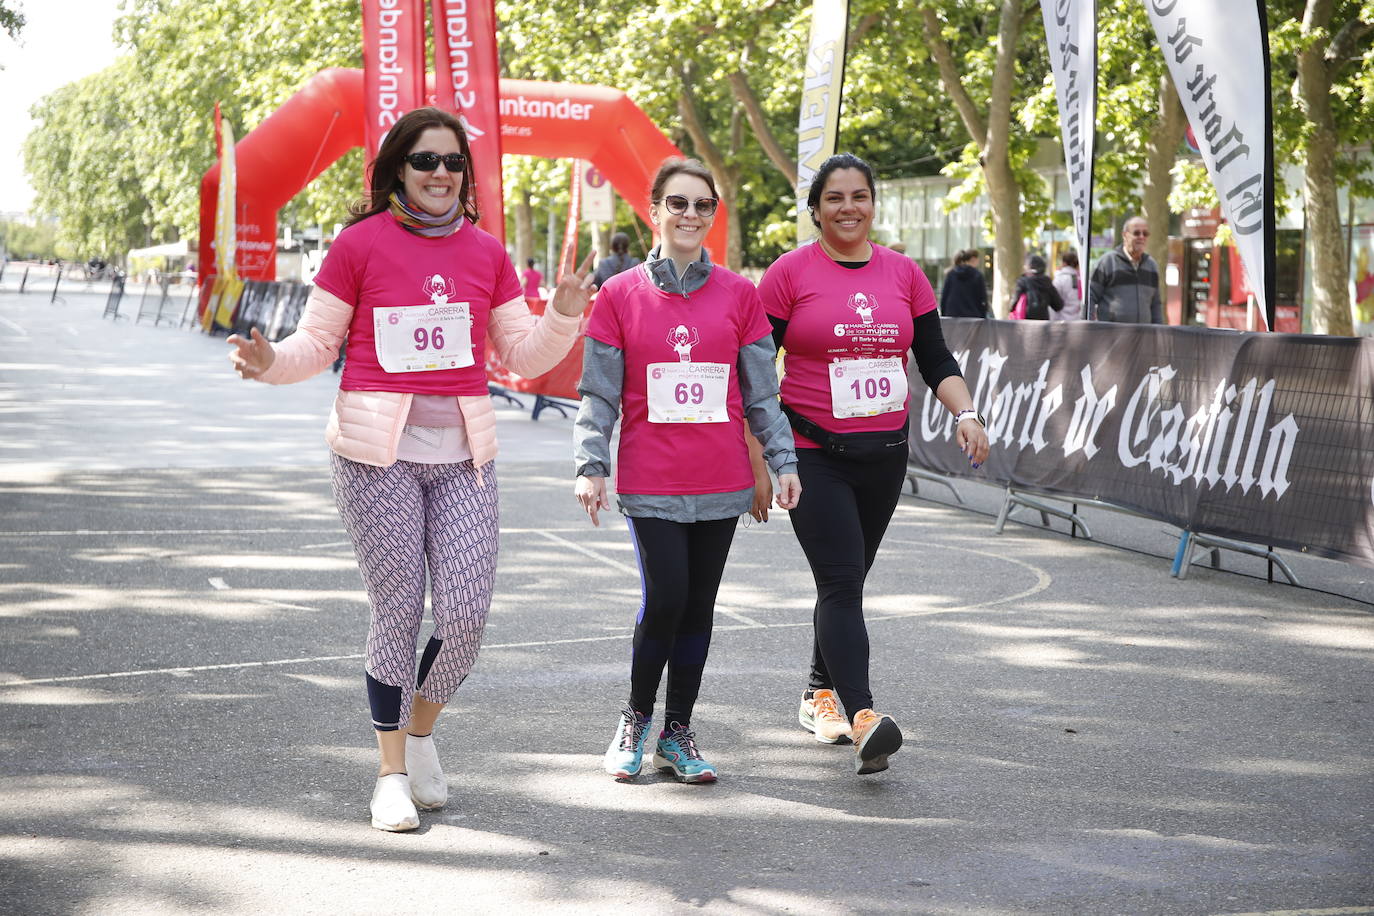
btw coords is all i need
(1044, 503)
(114, 299)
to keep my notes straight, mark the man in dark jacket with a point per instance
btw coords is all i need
(1041, 296)
(964, 294)
(1125, 281)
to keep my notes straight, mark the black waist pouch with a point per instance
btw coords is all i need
(864, 447)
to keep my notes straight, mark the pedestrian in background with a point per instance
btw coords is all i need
(531, 280)
(1034, 298)
(1069, 284)
(619, 260)
(680, 351)
(964, 293)
(419, 293)
(1125, 281)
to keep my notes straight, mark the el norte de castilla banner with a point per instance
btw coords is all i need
(1257, 437)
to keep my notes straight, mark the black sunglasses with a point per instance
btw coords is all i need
(428, 162)
(677, 205)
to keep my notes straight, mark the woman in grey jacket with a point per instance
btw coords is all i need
(680, 350)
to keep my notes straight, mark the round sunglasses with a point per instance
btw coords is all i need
(677, 205)
(428, 162)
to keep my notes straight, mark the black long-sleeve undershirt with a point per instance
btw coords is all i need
(933, 359)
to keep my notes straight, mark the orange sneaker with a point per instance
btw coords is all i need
(876, 737)
(821, 716)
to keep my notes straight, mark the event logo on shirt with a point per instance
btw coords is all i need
(863, 304)
(682, 341)
(865, 335)
(439, 289)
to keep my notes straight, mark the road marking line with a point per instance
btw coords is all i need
(586, 551)
(91, 532)
(17, 328)
(736, 615)
(293, 607)
(1043, 581)
(218, 584)
(1334, 911)
(190, 669)
(626, 568)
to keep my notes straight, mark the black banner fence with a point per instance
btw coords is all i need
(1263, 438)
(273, 307)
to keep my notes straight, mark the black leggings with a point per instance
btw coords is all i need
(680, 565)
(840, 521)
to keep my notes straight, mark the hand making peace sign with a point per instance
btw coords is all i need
(574, 291)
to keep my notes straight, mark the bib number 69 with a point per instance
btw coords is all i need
(682, 393)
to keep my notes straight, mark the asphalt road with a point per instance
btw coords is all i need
(183, 726)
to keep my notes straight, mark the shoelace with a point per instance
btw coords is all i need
(826, 708)
(630, 737)
(687, 741)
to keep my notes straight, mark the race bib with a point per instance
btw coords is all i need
(423, 338)
(688, 392)
(866, 387)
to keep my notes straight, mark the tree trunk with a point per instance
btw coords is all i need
(727, 179)
(524, 228)
(1330, 307)
(994, 138)
(1160, 154)
(601, 239)
(1004, 194)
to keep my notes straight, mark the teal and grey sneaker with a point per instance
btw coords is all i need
(626, 754)
(677, 751)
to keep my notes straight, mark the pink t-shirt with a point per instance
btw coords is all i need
(376, 263)
(532, 280)
(658, 332)
(838, 313)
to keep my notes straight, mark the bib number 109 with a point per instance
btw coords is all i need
(867, 387)
(871, 388)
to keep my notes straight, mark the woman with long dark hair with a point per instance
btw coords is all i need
(679, 350)
(419, 293)
(848, 312)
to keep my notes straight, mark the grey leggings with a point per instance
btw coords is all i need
(405, 519)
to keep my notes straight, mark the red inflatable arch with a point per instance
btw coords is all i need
(324, 120)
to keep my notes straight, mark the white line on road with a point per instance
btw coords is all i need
(586, 551)
(218, 584)
(19, 330)
(1043, 581)
(1335, 911)
(92, 532)
(293, 607)
(626, 568)
(190, 669)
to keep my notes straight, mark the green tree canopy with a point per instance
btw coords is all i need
(118, 156)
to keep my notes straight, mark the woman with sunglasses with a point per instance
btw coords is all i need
(419, 293)
(847, 312)
(679, 348)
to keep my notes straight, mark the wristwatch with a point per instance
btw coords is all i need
(963, 415)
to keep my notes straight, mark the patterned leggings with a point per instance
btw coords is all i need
(402, 519)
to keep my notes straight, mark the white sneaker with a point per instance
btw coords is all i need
(391, 806)
(428, 785)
